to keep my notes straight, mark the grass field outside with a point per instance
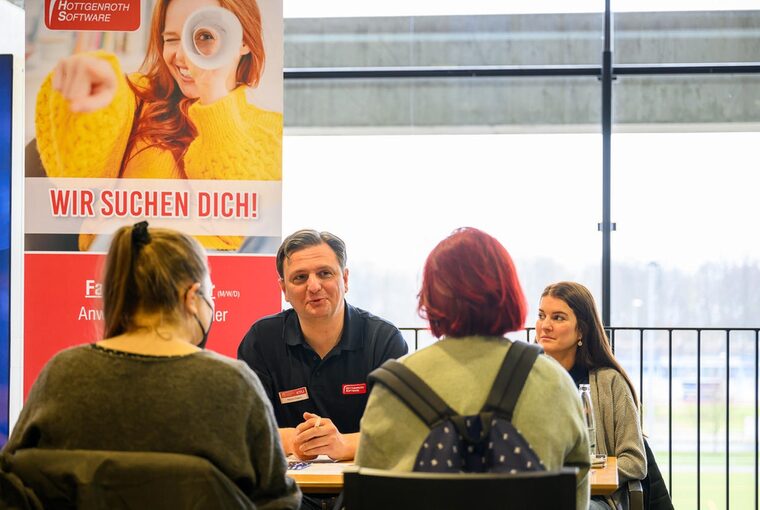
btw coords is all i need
(712, 481)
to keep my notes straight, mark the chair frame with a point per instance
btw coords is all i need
(375, 489)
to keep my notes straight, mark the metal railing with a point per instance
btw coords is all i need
(701, 381)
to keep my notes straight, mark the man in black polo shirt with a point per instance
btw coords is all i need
(313, 359)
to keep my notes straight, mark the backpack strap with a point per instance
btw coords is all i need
(511, 378)
(412, 391)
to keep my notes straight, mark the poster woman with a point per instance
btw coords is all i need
(171, 120)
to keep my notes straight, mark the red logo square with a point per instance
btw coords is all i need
(102, 15)
(354, 389)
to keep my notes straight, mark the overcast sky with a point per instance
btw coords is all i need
(680, 199)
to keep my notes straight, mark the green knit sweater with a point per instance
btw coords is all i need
(548, 413)
(202, 404)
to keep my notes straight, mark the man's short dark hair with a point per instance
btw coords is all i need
(306, 238)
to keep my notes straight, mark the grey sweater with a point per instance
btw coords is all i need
(618, 431)
(201, 404)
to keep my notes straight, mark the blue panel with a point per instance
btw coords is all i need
(6, 98)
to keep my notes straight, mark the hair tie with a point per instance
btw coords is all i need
(140, 235)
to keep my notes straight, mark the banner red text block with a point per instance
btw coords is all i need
(62, 305)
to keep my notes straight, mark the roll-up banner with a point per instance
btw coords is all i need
(168, 111)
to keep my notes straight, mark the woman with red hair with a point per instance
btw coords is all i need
(173, 120)
(471, 297)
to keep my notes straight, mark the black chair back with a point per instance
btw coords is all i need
(92, 479)
(373, 489)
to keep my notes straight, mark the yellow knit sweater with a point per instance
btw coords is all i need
(236, 140)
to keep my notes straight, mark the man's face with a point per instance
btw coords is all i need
(314, 284)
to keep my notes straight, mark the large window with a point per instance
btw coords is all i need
(393, 198)
(685, 251)
(513, 145)
(683, 191)
(669, 216)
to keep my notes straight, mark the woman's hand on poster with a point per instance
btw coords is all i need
(87, 83)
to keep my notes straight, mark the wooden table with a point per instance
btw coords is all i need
(318, 484)
(604, 480)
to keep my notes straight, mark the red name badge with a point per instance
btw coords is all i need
(354, 389)
(296, 395)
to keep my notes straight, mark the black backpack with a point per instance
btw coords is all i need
(486, 442)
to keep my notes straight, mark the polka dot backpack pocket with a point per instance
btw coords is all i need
(486, 442)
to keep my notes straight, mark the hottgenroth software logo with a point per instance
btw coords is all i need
(102, 15)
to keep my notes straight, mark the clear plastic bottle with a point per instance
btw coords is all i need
(588, 415)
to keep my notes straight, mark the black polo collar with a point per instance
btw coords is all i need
(350, 337)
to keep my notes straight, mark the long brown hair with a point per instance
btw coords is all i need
(596, 351)
(145, 271)
(161, 118)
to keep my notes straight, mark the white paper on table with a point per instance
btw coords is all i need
(322, 465)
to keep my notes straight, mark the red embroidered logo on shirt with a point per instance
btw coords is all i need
(354, 389)
(296, 395)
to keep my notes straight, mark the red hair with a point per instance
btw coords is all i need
(470, 287)
(161, 118)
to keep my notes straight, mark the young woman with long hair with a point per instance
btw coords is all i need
(570, 330)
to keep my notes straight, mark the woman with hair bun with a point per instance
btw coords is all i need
(148, 385)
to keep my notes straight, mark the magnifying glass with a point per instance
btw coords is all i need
(211, 37)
